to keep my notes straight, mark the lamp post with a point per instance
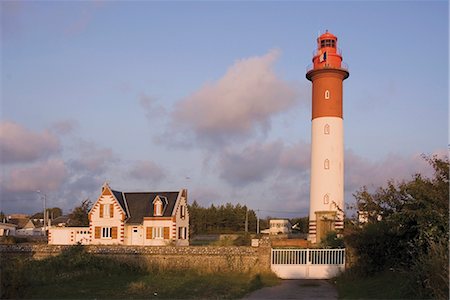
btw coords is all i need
(257, 222)
(45, 208)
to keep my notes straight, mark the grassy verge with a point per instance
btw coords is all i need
(384, 285)
(77, 274)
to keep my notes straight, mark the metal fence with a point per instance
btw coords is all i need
(308, 257)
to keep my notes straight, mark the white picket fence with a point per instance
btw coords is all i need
(307, 263)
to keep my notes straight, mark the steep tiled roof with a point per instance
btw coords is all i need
(119, 198)
(140, 205)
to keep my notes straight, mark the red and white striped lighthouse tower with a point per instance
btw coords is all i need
(326, 211)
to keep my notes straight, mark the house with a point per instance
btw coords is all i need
(61, 221)
(132, 218)
(27, 226)
(7, 229)
(279, 226)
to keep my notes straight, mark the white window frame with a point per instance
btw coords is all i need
(326, 199)
(326, 129)
(106, 233)
(158, 233)
(327, 94)
(182, 212)
(181, 233)
(158, 208)
(106, 211)
(326, 164)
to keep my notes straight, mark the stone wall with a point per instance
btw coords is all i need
(205, 259)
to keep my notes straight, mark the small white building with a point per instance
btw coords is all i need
(365, 216)
(68, 235)
(280, 226)
(7, 229)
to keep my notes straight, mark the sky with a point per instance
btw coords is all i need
(212, 96)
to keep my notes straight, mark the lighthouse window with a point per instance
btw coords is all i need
(326, 164)
(327, 43)
(326, 199)
(327, 94)
(326, 129)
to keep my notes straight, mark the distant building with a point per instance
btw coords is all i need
(7, 229)
(280, 226)
(27, 226)
(61, 221)
(365, 216)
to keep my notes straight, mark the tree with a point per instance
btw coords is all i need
(79, 215)
(413, 233)
(226, 218)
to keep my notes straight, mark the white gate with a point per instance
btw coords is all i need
(307, 263)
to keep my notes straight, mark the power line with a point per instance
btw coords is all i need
(281, 212)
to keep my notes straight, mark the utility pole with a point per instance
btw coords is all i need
(45, 208)
(257, 223)
(246, 221)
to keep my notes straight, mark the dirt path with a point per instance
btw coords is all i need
(297, 289)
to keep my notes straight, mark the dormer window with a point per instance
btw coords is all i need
(157, 208)
(159, 204)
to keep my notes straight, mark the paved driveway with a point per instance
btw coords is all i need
(297, 289)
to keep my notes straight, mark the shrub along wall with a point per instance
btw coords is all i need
(205, 259)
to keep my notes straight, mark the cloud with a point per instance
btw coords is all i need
(20, 145)
(152, 109)
(243, 100)
(46, 176)
(253, 164)
(84, 19)
(258, 161)
(362, 172)
(147, 170)
(92, 159)
(64, 127)
(296, 159)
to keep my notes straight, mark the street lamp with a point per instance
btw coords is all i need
(45, 208)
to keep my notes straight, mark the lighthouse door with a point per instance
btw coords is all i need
(325, 223)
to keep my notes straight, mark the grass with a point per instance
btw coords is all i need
(77, 274)
(384, 285)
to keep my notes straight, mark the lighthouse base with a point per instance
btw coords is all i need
(324, 223)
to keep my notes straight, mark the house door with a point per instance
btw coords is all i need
(135, 236)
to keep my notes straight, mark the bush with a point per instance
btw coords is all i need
(429, 272)
(8, 240)
(377, 248)
(332, 241)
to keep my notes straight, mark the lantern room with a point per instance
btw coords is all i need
(327, 54)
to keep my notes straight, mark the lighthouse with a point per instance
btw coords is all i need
(326, 204)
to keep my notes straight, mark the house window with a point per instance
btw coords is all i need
(182, 211)
(158, 208)
(326, 199)
(157, 232)
(106, 232)
(326, 129)
(182, 233)
(106, 211)
(326, 164)
(327, 94)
